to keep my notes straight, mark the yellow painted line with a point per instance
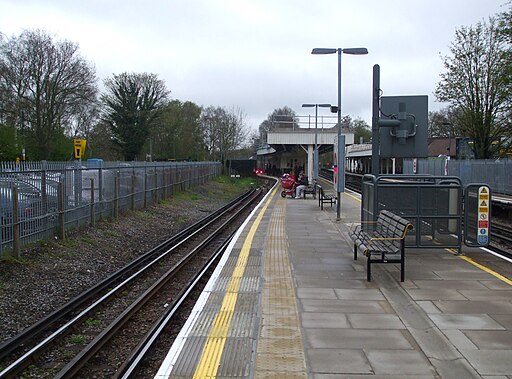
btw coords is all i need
(352, 196)
(481, 267)
(214, 346)
(488, 270)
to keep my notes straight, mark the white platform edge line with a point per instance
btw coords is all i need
(496, 254)
(170, 360)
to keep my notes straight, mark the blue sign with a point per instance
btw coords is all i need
(483, 239)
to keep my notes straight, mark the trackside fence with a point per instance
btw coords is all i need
(496, 173)
(41, 200)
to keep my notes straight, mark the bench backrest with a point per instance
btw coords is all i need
(393, 225)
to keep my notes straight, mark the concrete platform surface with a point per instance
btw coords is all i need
(294, 304)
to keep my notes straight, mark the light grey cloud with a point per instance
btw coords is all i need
(255, 55)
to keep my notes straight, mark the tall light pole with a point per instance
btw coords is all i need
(315, 153)
(351, 51)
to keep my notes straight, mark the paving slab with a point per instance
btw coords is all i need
(491, 362)
(436, 294)
(408, 362)
(316, 293)
(341, 306)
(330, 282)
(459, 339)
(468, 307)
(488, 294)
(339, 360)
(465, 321)
(375, 321)
(325, 320)
(383, 376)
(356, 339)
(450, 284)
(491, 339)
(359, 294)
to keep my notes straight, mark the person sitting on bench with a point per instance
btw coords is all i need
(301, 184)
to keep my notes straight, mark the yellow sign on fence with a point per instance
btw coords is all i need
(79, 148)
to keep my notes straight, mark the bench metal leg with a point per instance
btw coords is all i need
(369, 270)
(355, 252)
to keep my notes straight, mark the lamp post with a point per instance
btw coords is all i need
(315, 153)
(351, 51)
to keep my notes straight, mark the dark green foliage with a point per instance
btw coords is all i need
(177, 133)
(132, 104)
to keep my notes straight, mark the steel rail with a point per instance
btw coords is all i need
(106, 284)
(80, 360)
(130, 366)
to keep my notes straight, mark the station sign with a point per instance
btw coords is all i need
(79, 148)
(483, 215)
(477, 215)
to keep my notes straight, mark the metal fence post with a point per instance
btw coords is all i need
(155, 190)
(145, 187)
(132, 197)
(92, 206)
(116, 195)
(60, 198)
(15, 223)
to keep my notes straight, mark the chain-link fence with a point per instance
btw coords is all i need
(39, 200)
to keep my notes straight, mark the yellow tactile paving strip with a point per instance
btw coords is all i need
(280, 352)
(210, 358)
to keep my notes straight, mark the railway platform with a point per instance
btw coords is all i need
(288, 301)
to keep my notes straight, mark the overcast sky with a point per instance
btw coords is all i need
(255, 55)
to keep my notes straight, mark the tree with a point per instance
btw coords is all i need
(42, 84)
(177, 134)
(132, 103)
(346, 123)
(361, 131)
(100, 143)
(477, 83)
(7, 148)
(223, 130)
(443, 123)
(279, 118)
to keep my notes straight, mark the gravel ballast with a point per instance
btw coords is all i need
(52, 272)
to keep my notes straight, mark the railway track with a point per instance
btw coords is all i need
(108, 330)
(501, 239)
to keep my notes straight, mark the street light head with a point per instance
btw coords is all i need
(324, 105)
(356, 51)
(323, 51)
(308, 105)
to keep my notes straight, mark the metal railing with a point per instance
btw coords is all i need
(40, 200)
(433, 204)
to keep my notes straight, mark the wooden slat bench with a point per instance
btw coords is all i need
(382, 241)
(324, 198)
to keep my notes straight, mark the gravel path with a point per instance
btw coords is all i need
(53, 272)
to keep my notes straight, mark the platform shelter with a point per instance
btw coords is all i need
(290, 147)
